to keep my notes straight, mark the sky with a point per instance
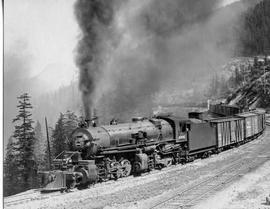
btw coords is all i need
(45, 31)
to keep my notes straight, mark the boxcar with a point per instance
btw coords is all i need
(224, 109)
(203, 115)
(261, 119)
(229, 131)
(251, 124)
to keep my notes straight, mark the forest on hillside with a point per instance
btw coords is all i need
(254, 30)
(248, 83)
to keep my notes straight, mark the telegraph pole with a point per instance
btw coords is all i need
(264, 79)
(48, 143)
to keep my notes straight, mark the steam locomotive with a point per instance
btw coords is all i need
(119, 150)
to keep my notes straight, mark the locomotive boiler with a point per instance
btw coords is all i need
(109, 139)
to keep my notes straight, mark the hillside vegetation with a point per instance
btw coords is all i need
(255, 91)
(246, 81)
(254, 31)
(255, 40)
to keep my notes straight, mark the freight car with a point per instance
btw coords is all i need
(254, 123)
(229, 132)
(224, 109)
(115, 151)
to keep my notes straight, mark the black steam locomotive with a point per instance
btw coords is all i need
(119, 150)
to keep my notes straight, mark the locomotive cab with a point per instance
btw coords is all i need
(184, 128)
(181, 127)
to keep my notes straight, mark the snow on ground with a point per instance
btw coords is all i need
(248, 193)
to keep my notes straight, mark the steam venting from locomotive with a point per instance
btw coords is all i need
(130, 50)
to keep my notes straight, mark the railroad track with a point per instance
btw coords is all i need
(186, 198)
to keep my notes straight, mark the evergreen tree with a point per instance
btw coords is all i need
(70, 123)
(264, 91)
(238, 77)
(11, 172)
(21, 169)
(24, 133)
(62, 132)
(254, 34)
(59, 142)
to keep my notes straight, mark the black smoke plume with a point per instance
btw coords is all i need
(94, 18)
(131, 50)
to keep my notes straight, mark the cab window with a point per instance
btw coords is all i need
(184, 127)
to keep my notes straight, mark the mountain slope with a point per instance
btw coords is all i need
(255, 93)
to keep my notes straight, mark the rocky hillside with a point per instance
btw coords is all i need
(255, 88)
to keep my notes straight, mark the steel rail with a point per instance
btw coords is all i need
(188, 197)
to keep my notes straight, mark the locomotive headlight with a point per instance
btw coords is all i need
(80, 138)
(80, 141)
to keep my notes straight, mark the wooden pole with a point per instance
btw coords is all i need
(48, 143)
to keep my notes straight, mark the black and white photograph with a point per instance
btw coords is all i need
(136, 104)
